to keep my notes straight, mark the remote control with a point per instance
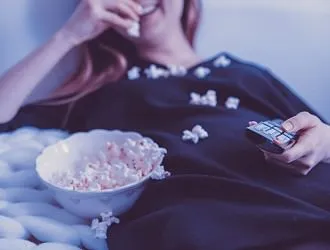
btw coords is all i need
(270, 136)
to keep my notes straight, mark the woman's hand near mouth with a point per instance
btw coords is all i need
(93, 17)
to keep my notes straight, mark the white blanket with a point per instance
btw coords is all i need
(28, 213)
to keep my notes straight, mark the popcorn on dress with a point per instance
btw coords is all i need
(221, 194)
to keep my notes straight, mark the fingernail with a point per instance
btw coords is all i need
(140, 9)
(251, 123)
(276, 141)
(288, 126)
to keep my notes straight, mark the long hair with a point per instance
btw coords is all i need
(106, 59)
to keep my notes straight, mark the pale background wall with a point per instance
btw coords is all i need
(292, 37)
(25, 25)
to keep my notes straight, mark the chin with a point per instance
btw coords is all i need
(148, 40)
(152, 33)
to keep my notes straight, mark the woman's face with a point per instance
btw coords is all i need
(164, 16)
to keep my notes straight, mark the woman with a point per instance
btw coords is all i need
(223, 194)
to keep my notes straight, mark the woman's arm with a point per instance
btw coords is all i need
(90, 19)
(18, 83)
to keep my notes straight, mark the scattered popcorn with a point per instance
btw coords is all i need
(114, 220)
(154, 73)
(209, 99)
(177, 70)
(134, 31)
(195, 135)
(202, 72)
(134, 73)
(195, 98)
(100, 227)
(106, 216)
(202, 134)
(222, 61)
(101, 230)
(232, 103)
(116, 166)
(95, 224)
(190, 136)
(159, 173)
(101, 233)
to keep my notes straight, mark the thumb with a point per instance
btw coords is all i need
(302, 121)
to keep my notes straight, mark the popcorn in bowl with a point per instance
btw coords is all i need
(116, 166)
(100, 170)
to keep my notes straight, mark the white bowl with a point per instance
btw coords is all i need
(65, 153)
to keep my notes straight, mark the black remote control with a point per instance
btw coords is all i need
(270, 136)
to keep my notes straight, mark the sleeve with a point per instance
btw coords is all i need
(40, 116)
(290, 102)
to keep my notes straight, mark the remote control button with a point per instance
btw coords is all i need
(269, 124)
(283, 139)
(291, 136)
(278, 129)
(260, 127)
(272, 132)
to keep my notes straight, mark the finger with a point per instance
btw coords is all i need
(252, 123)
(302, 121)
(309, 161)
(283, 145)
(295, 167)
(116, 21)
(303, 147)
(135, 6)
(277, 162)
(306, 164)
(134, 9)
(127, 11)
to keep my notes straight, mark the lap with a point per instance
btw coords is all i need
(198, 212)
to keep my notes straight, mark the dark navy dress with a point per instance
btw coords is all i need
(222, 193)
